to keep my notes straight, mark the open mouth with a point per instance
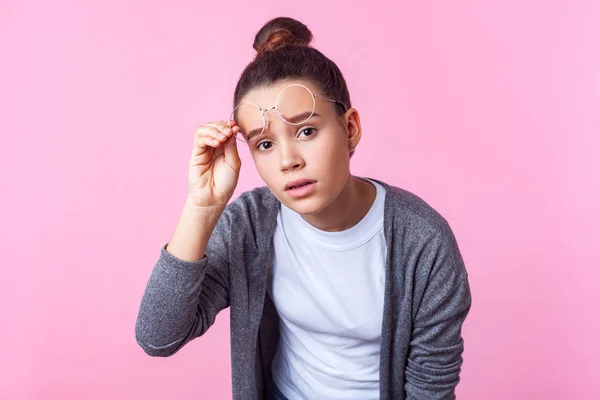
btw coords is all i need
(301, 188)
(300, 185)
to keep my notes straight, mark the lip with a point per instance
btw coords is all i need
(302, 191)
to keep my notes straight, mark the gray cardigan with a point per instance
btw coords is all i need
(427, 298)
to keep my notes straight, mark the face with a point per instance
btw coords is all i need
(306, 166)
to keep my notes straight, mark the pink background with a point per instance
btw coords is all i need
(487, 109)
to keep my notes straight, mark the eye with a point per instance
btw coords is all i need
(307, 132)
(264, 145)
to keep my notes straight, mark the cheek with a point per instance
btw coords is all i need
(331, 153)
(266, 169)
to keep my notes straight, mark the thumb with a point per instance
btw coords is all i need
(232, 156)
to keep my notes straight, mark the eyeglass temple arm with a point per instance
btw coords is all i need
(333, 101)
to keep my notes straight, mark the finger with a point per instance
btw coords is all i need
(222, 126)
(203, 142)
(211, 131)
(203, 151)
(231, 123)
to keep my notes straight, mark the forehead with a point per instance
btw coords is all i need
(266, 96)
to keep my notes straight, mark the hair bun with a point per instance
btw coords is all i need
(280, 32)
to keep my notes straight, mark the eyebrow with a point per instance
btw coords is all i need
(301, 117)
(294, 120)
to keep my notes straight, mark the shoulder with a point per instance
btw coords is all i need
(425, 237)
(408, 209)
(253, 208)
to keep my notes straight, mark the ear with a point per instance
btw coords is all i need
(353, 127)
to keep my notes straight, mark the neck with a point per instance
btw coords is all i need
(348, 208)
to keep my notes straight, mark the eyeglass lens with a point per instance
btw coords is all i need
(295, 105)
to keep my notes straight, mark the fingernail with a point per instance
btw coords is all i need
(221, 135)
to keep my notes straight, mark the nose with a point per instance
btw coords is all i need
(289, 157)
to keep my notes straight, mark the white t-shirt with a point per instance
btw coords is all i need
(328, 289)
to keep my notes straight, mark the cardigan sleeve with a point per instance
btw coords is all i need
(183, 298)
(436, 346)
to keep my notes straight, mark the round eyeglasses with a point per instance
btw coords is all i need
(295, 105)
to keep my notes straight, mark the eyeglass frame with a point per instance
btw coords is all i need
(276, 107)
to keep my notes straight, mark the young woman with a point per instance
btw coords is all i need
(339, 287)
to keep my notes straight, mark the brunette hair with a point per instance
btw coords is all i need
(283, 52)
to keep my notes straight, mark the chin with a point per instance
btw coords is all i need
(307, 206)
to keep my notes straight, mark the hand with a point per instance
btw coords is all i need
(214, 166)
